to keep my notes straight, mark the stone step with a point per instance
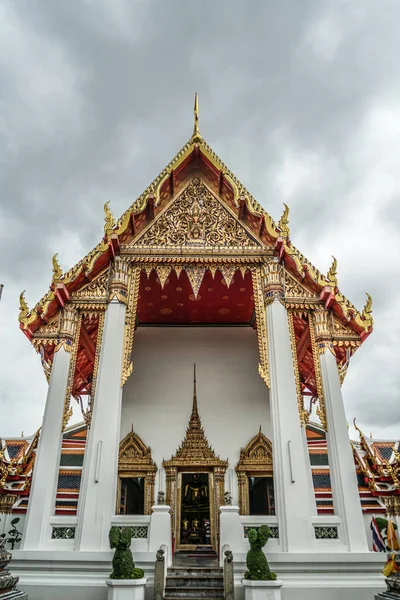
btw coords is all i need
(194, 570)
(195, 583)
(194, 593)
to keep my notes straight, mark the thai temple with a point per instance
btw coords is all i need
(196, 272)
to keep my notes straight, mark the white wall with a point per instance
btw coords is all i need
(232, 398)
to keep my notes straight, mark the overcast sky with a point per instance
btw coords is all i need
(301, 99)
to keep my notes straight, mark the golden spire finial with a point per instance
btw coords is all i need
(109, 221)
(333, 272)
(57, 270)
(283, 223)
(367, 310)
(196, 131)
(23, 306)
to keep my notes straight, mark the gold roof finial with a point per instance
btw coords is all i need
(23, 307)
(57, 270)
(367, 310)
(283, 223)
(333, 272)
(195, 412)
(109, 221)
(196, 131)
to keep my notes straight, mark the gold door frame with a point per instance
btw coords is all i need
(213, 520)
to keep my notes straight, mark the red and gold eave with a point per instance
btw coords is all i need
(195, 157)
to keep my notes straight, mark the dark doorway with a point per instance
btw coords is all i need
(261, 493)
(132, 496)
(195, 509)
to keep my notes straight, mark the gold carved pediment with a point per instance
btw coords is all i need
(257, 455)
(134, 455)
(197, 218)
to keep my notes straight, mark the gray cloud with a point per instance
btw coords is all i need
(301, 100)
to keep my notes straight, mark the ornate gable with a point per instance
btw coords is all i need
(134, 454)
(197, 218)
(257, 456)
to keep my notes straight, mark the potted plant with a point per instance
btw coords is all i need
(259, 581)
(126, 582)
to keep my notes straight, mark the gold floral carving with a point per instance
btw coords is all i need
(197, 218)
(134, 460)
(163, 272)
(255, 460)
(261, 323)
(195, 276)
(303, 412)
(228, 272)
(130, 322)
(318, 376)
(296, 295)
(94, 292)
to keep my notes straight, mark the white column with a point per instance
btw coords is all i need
(346, 498)
(294, 505)
(45, 473)
(97, 499)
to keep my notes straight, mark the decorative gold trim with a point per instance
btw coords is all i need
(318, 376)
(134, 460)
(130, 322)
(303, 413)
(71, 375)
(255, 459)
(261, 323)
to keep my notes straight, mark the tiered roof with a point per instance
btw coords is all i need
(196, 153)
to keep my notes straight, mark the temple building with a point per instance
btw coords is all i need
(196, 272)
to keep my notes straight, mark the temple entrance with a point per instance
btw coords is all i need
(195, 488)
(195, 523)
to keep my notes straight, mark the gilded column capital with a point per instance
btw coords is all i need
(323, 329)
(69, 323)
(274, 284)
(118, 289)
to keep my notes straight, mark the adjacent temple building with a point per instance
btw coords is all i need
(196, 271)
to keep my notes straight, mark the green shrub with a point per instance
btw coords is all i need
(256, 560)
(123, 565)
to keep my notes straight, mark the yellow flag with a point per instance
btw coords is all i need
(392, 540)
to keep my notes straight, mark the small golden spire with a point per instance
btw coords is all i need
(194, 409)
(332, 273)
(283, 223)
(109, 221)
(57, 270)
(367, 310)
(196, 131)
(23, 307)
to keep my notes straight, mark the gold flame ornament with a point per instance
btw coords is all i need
(332, 273)
(367, 310)
(57, 270)
(283, 223)
(23, 307)
(109, 221)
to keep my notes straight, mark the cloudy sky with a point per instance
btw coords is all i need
(300, 98)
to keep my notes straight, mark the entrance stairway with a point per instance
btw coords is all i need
(194, 577)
